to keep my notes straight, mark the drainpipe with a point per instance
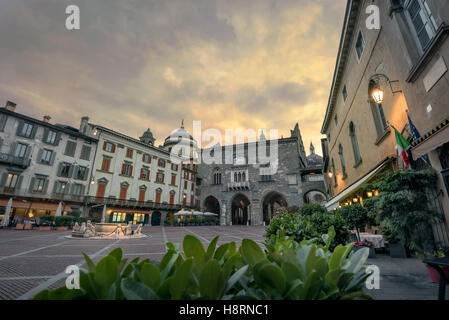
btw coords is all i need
(86, 211)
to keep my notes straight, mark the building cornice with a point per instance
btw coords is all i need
(350, 20)
(48, 125)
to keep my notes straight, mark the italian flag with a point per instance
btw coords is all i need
(403, 144)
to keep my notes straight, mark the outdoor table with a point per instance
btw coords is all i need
(377, 239)
(437, 264)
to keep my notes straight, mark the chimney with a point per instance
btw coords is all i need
(84, 124)
(47, 119)
(11, 106)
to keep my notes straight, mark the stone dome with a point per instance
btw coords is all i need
(182, 139)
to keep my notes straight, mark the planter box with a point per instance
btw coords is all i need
(20, 226)
(434, 275)
(44, 228)
(62, 228)
(372, 251)
(397, 250)
(27, 226)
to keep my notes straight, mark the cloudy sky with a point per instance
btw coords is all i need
(150, 63)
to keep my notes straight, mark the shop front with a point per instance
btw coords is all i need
(27, 211)
(126, 215)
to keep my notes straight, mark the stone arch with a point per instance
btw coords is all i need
(315, 196)
(240, 209)
(212, 204)
(271, 201)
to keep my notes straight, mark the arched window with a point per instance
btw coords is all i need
(377, 110)
(235, 177)
(217, 177)
(240, 176)
(342, 160)
(355, 144)
(243, 176)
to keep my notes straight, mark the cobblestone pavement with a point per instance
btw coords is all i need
(31, 261)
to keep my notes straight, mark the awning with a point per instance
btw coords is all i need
(19, 204)
(120, 210)
(335, 202)
(435, 141)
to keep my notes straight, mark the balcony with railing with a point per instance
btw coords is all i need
(235, 186)
(12, 160)
(114, 202)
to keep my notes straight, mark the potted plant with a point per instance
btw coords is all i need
(46, 222)
(63, 223)
(365, 244)
(433, 273)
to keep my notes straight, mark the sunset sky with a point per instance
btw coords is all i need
(139, 63)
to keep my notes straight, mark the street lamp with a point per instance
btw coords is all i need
(377, 94)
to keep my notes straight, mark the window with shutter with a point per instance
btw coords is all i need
(421, 22)
(106, 164)
(173, 179)
(85, 153)
(101, 190)
(70, 149)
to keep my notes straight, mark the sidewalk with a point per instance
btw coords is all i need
(403, 279)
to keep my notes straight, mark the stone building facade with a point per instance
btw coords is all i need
(241, 193)
(406, 61)
(136, 180)
(42, 164)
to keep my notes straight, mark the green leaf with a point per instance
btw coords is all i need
(251, 252)
(133, 290)
(129, 268)
(181, 279)
(150, 276)
(272, 276)
(235, 278)
(193, 248)
(357, 260)
(221, 251)
(292, 272)
(89, 262)
(211, 248)
(167, 263)
(117, 253)
(106, 272)
(211, 283)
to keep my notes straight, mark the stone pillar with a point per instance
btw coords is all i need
(223, 215)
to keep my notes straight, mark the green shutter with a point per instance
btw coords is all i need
(45, 188)
(75, 171)
(19, 182)
(46, 132)
(59, 169)
(67, 188)
(28, 152)
(86, 174)
(53, 156)
(3, 119)
(33, 180)
(19, 128)
(33, 132)
(58, 137)
(3, 179)
(72, 167)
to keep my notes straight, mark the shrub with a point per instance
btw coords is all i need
(63, 221)
(280, 211)
(403, 208)
(285, 270)
(312, 208)
(308, 224)
(46, 220)
(80, 220)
